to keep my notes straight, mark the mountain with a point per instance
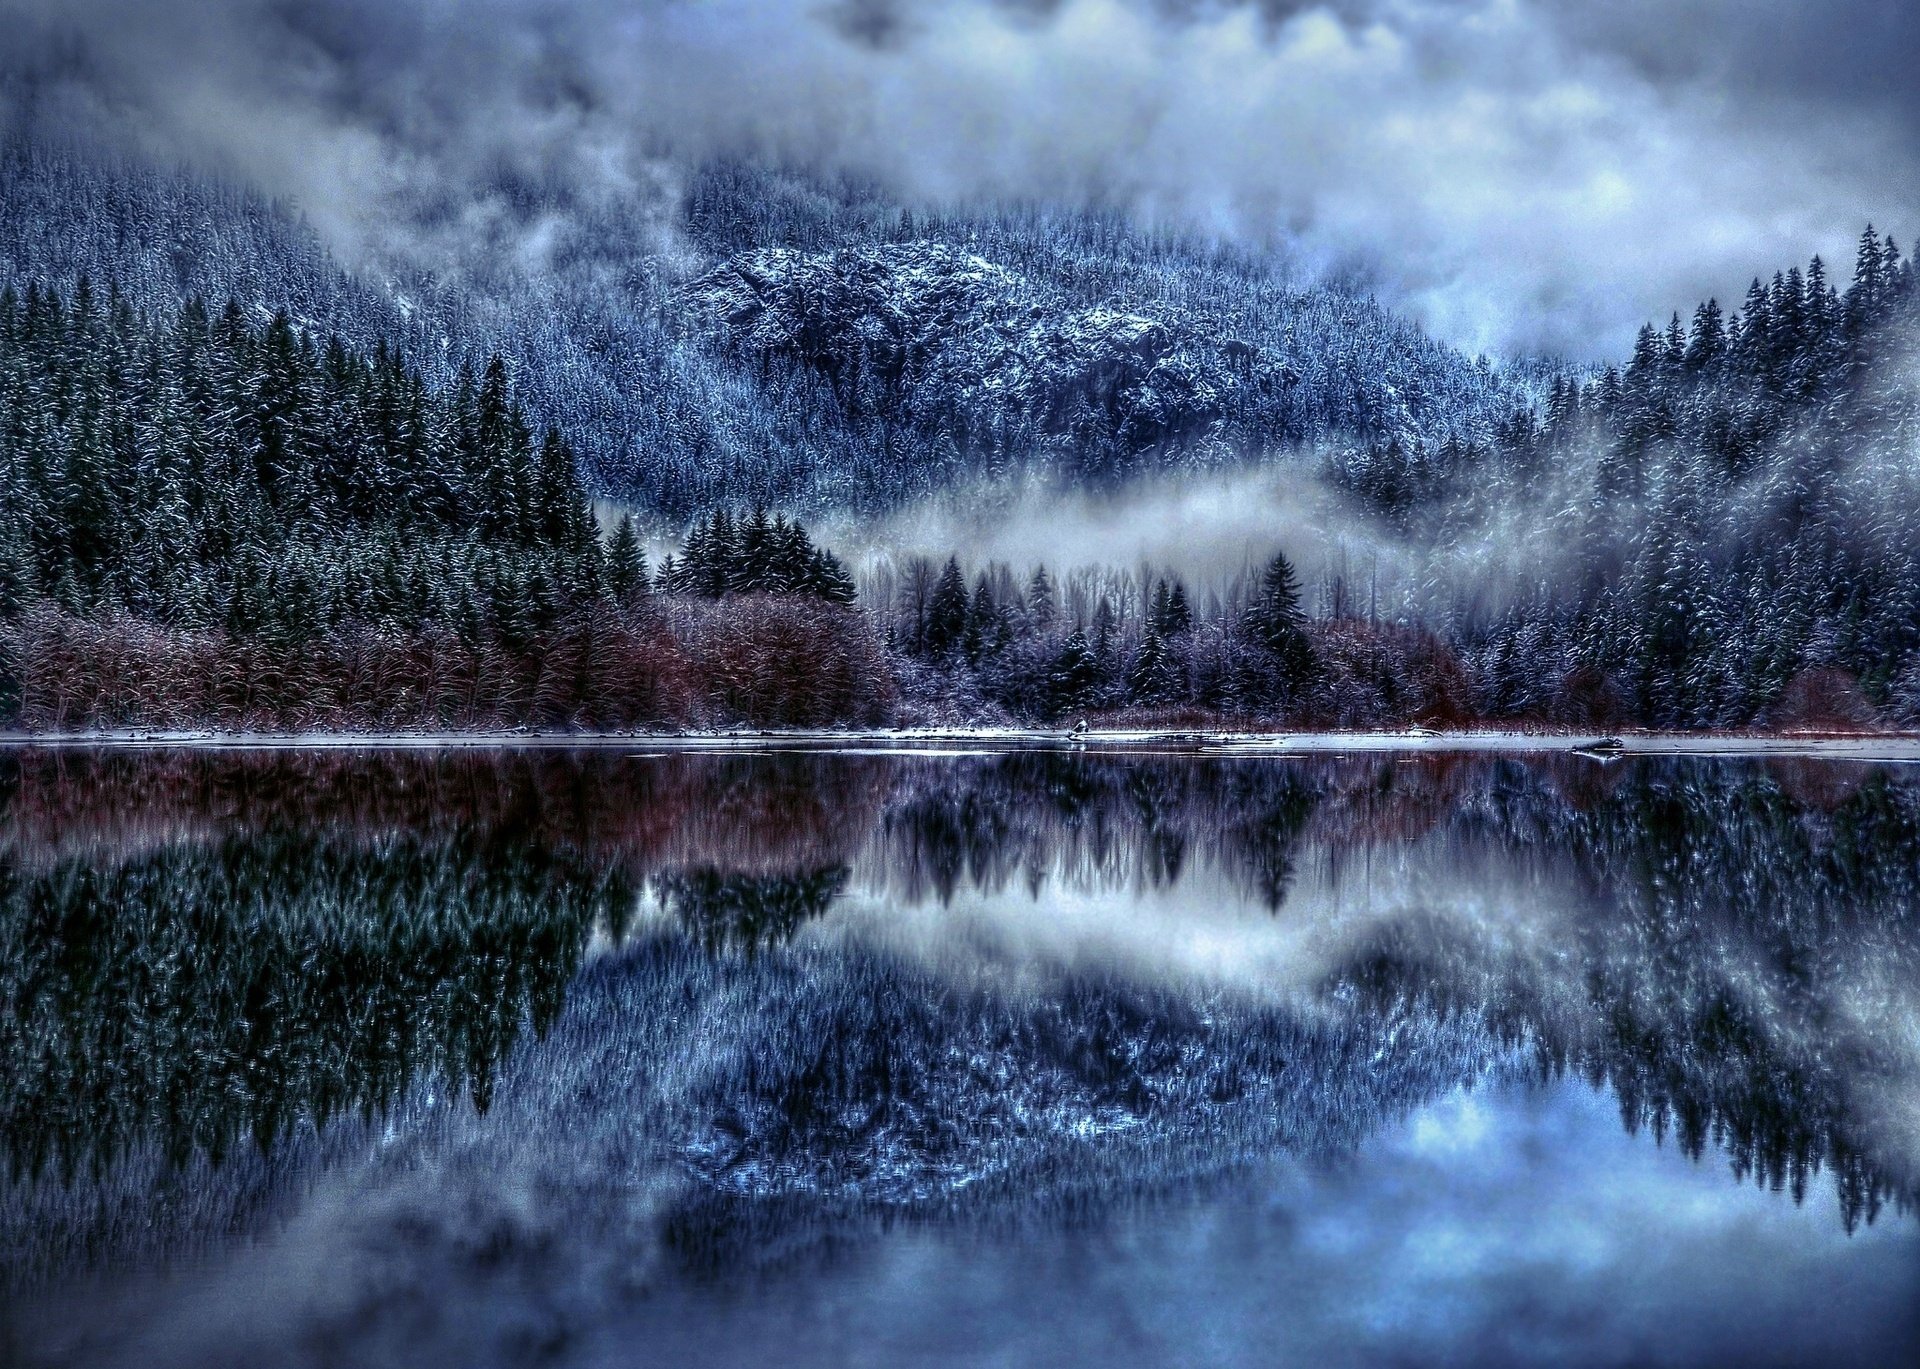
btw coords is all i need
(1719, 532)
(808, 345)
(949, 346)
(162, 237)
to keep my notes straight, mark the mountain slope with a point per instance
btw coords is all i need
(885, 357)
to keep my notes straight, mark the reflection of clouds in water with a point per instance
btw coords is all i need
(1075, 1034)
(1208, 930)
(1881, 1004)
(1517, 1226)
(1494, 1227)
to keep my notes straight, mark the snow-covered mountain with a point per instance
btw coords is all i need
(977, 352)
(809, 345)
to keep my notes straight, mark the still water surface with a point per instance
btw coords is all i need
(1034, 1058)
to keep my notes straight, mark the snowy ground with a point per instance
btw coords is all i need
(1888, 747)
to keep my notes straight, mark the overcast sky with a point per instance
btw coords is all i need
(1518, 174)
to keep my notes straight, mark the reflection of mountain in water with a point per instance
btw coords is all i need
(217, 963)
(1097, 822)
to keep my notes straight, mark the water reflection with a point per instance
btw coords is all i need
(595, 1024)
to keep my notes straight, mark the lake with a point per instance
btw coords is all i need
(869, 1056)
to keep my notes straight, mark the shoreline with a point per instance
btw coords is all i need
(1881, 747)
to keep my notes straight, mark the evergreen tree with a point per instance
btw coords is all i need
(1179, 614)
(1708, 338)
(947, 612)
(1154, 675)
(1041, 606)
(1275, 625)
(627, 575)
(1074, 678)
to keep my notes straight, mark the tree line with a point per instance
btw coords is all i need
(222, 519)
(1719, 532)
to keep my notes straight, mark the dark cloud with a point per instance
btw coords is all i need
(1518, 173)
(1853, 52)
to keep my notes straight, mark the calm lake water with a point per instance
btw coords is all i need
(598, 1058)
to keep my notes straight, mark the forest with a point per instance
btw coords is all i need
(205, 521)
(242, 490)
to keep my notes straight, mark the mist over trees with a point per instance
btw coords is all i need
(334, 502)
(1736, 510)
(807, 345)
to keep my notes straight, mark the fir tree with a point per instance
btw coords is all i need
(1073, 679)
(947, 612)
(627, 575)
(1275, 624)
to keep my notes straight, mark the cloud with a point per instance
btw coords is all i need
(1518, 174)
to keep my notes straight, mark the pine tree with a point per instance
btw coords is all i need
(830, 581)
(1275, 625)
(1869, 282)
(753, 570)
(627, 576)
(987, 626)
(1753, 345)
(1074, 677)
(1708, 338)
(1179, 615)
(1154, 676)
(1041, 607)
(947, 612)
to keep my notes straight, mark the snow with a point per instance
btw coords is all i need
(985, 741)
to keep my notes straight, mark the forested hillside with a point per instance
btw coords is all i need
(204, 521)
(218, 448)
(164, 237)
(1736, 506)
(1720, 533)
(803, 344)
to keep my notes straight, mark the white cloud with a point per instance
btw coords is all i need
(1516, 173)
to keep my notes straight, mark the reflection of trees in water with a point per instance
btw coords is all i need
(721, 910)
(1724, 915)
(1721, 966)
(205, 995)
(205, 957)
(1093, 822)
(767, 813)
(203, 963)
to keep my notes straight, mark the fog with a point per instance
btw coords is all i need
(1208, 528)
(1212, 528)
(1518, 174)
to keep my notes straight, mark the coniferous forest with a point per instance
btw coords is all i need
(931, 682)
(209, 521)
(242, 513)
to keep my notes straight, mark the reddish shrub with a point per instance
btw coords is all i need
(784, 661)
(1822, 699)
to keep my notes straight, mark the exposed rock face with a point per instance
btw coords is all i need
(985, 354)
